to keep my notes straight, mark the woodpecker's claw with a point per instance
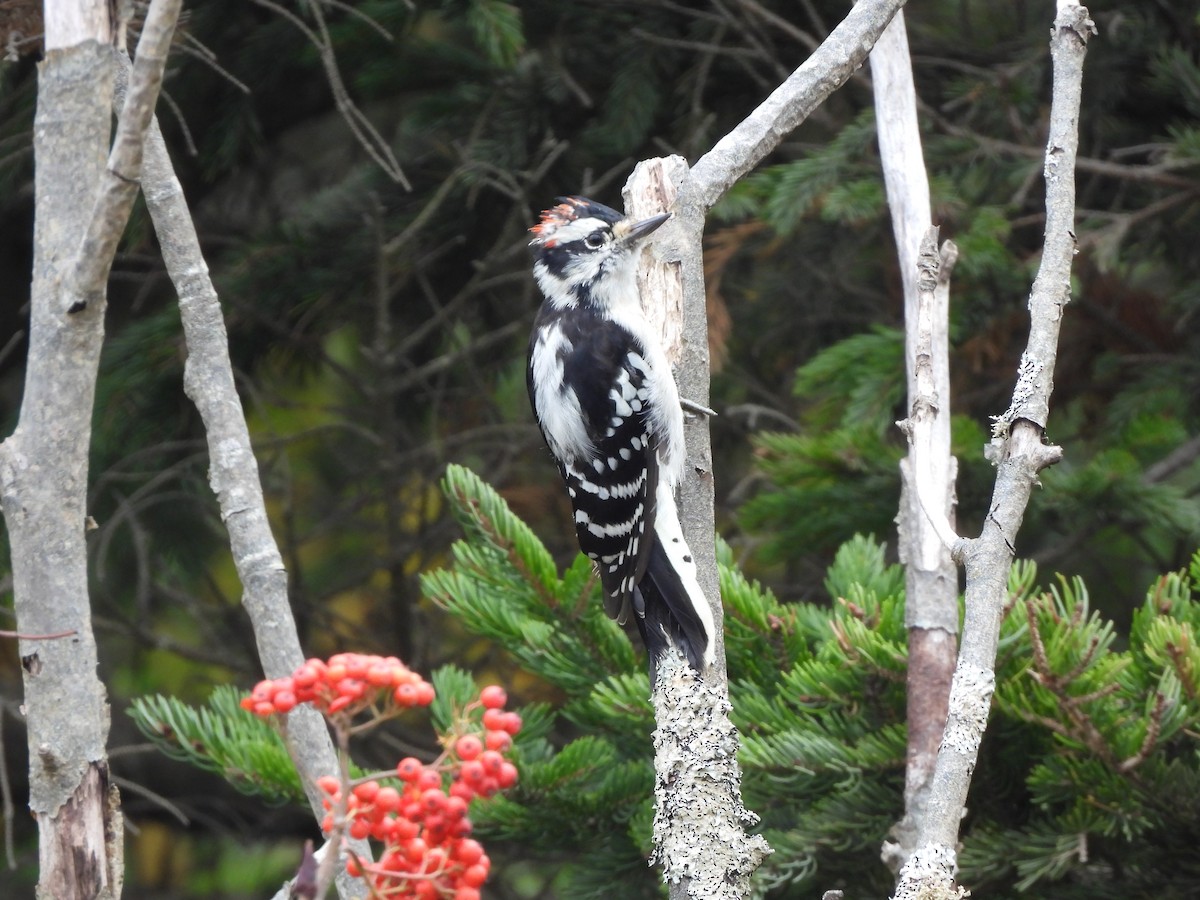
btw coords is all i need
(692, 408)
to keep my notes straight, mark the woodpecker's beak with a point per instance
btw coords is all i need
(639, 230)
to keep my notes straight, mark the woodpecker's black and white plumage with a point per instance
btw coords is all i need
(607, 403)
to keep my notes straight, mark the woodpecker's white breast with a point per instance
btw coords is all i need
(558, 407)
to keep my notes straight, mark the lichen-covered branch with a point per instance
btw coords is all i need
(700, 821)
(698, 794)
(1020, 453)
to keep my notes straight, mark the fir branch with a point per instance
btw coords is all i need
(221, 737)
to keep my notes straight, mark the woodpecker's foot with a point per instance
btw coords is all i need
(692, 408)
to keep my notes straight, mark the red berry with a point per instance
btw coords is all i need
(329, 784)
(339, 703)
(366, 791)
(415, 850)
(507, 777)
(359, 829)
(433, 800)
(404, 829)
(468, 852)
(387, 800)
(472, 772)
(394, 860)
(499, 740)
(425, 693)
(429, 778)
(493, 719)
(406, 695)
(493, 696)
(409, 768)
(435, 827)
(379, 674)
(512, 722)
(456, 807)
(492, 761)
(474, 876)
(467, 893)
(468, 747)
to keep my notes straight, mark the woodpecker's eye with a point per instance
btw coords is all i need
(594, 241)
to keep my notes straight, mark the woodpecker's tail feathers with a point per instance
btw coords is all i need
(667, 614)
(669, 605)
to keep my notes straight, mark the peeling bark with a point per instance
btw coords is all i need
(929, 472)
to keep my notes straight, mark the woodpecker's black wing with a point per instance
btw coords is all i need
(612, 487)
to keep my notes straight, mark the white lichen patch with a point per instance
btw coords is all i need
(929, 875)
(970, 701)
(699, 821)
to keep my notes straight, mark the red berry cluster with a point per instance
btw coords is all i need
(428, 853)
(348, 683)
(422, 824)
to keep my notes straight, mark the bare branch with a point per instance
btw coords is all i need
(700, 820)
(119, 186)
(233, 473)
(829, 67)
(360, 126)
(930, 467)
(927, 497)
(43, 488)
(1020, 454)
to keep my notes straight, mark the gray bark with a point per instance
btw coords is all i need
(233, 469)
(699, 822)
(83, 195)
(698, 793)
(43, 483)
(928, 473)
(1020, 453)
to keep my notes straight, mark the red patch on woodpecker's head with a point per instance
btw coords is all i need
(555, 218)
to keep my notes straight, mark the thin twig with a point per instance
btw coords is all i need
(6, 800)
(158, 799)
(364, 132)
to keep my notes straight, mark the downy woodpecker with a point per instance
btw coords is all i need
(609, 409)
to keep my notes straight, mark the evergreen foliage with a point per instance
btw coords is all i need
(1097, 745)
(221, 737)
(1090, 773)
(378, 334)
